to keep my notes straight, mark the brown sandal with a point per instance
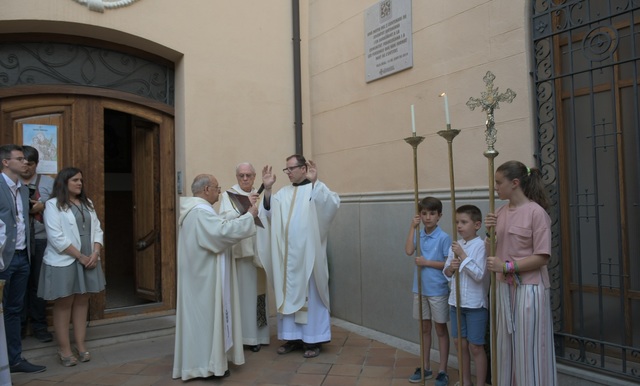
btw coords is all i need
(291, 345)
(311, 350)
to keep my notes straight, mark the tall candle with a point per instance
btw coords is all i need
(413, 120)
(446, 108)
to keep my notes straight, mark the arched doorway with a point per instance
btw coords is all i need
(123, 140)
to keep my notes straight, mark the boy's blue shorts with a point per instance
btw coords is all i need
(473, 326)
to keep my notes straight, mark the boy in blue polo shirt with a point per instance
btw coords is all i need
(434, 246)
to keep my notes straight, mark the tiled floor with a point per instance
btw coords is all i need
(349, 359)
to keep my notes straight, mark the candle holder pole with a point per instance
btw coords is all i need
(449, 134)
(414, 141)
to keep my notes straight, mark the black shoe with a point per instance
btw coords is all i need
(25, 367)
(255, 348)
(43, 336)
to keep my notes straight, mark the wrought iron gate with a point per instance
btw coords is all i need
(587, 76)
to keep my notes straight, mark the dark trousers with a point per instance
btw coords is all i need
(16, 276)
(35, 308)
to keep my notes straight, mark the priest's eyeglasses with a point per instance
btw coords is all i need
(215, 188)
(291, 168)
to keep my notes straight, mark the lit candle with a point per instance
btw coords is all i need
(446, 108)
(413, 120)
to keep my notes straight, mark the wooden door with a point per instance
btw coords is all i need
(55, 125)
(79, 123)
(145, 209)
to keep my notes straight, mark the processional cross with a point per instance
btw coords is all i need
(489, 101)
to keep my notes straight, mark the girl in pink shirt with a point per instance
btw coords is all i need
(524, 325)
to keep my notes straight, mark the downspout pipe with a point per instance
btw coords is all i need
(297, 77)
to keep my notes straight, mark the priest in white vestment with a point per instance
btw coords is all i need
(252, 281)
(293, 251)
(208, 332)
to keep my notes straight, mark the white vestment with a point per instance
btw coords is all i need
(292, 248)
(208, 332)
(251, 278)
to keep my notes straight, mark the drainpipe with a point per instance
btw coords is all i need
(297, 77)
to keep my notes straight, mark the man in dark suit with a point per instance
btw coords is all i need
(14, 267)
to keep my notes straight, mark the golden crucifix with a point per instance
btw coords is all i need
(489, 101)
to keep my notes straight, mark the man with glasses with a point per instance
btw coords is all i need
(293, 251)
(14, 212)
(251, 276)
(40, 187)
(208, 331)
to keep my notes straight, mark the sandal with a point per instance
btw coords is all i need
(84, 356)
(291, 345)
(311, 350)
(226, 374)
(69, 361)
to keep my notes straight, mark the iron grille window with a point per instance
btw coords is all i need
(586, 75)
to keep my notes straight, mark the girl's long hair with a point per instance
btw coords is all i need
(61, 189)
(530, 181)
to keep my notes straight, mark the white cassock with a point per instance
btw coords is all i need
(208, 332)
(251, 279)
(293, 251)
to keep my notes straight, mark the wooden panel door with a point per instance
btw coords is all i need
(75, 140)
(80, 142)
(145, 209)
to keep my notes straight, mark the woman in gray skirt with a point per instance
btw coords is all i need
(71, 268)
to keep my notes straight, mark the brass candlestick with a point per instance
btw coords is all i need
(449, 134)
(414, 141)
(489, 101)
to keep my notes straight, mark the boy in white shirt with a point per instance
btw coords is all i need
(468, 256)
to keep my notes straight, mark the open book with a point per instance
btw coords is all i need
(241, 204)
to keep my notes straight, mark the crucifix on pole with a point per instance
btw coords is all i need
(489, 101)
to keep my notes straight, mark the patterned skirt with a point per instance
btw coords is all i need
(526, 355)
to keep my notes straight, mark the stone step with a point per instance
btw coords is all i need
(108, 332)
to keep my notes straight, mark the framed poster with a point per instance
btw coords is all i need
(45, 139)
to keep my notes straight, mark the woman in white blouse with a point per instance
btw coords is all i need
(71, 268)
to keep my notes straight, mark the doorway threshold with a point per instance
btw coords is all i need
(111, 331)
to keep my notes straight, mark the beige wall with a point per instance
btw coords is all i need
(358, 128)
(358, 131)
